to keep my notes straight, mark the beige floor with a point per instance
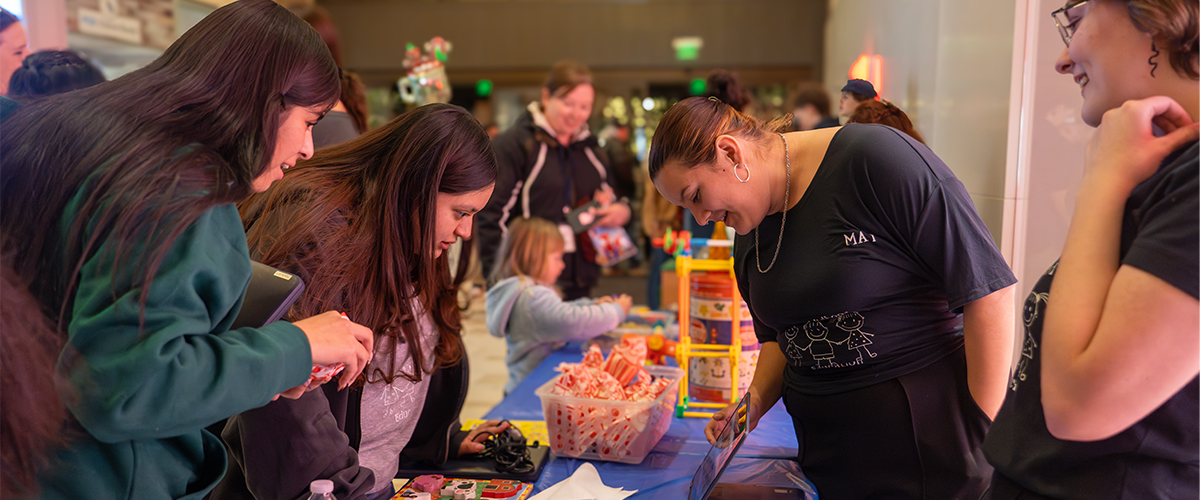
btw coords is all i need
(489, 373)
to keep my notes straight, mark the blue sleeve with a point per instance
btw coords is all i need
(181, 369)
(558, 321)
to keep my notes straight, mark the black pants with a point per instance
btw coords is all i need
(915, 436)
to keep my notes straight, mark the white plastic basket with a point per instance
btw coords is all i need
(616, 431)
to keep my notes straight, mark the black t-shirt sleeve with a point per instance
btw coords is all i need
(931, 210)
(1168, 224)
(954, 243)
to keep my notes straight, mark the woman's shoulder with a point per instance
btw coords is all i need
(885, 154)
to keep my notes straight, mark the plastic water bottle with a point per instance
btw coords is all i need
(321, 489)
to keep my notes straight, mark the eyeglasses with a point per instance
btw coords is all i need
(1067, 19)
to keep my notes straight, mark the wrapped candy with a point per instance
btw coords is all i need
(594, 357)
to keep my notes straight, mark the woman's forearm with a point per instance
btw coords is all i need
(767, 387)
(988, 335)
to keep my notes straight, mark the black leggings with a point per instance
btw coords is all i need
(914, 436)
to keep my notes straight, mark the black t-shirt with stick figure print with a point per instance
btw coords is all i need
(1159, 456)
(877, 260)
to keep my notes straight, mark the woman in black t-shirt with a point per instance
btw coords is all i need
(881, 302)
(1103, 403)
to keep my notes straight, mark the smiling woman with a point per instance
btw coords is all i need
(366, 224)
(551, 164)
(121, 196)
(881, 303)
(1104, 403)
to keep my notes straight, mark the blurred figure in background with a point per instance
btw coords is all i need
(810, 108)
(348, 118)
(886, 113)
(548, 167)
(854, 93)
(726, 86)
(52, 72)
(13, 47)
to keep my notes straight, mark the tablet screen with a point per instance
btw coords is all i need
(732, 434)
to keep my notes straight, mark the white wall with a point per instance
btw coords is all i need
(1046, 143)
(947, 63)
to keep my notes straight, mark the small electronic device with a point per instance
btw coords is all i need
(583, 217)
(729, 440)
(269, 295)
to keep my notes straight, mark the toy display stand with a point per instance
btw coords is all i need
(680, 245)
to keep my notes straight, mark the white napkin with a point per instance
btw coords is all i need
(584, 484)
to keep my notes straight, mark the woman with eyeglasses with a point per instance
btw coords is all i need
(551, 164)
(1103, 403)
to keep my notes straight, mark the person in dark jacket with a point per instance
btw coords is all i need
(366, 225)
(550, 164)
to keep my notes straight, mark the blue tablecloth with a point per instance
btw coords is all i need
(767, 457)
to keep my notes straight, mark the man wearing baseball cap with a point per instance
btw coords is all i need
(854, 92)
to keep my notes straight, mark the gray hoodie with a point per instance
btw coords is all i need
(536, 322)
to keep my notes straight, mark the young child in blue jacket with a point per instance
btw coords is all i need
(524, 307)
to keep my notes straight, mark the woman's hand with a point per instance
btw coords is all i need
(614, 215)
(718, 421)
(1124, 149)
(335, 339)
(473, 443)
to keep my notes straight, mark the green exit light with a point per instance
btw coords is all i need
(698, 86)
(483, 88)
(687, 48)
(687, 54)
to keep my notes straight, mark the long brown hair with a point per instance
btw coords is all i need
(145, 155)
(688, 132)
(357, 223)
(33, 417)
(885, 113)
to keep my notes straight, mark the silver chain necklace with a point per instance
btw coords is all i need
(787, 159)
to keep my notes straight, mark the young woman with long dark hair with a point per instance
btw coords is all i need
(118, 201)
(367, 224)
(1104, 401)
(883, 307)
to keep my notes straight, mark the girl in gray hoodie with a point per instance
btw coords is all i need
(523, 306)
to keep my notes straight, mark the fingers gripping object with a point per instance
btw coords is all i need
(324, 373)
(509, 450)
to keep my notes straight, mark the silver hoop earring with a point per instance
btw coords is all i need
(735, 175)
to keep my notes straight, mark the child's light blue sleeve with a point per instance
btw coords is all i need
(557, 321)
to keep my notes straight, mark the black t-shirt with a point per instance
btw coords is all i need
(877, 260)
(1158, 456)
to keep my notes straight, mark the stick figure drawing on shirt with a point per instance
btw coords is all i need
(819, 345)
(1034, 304)
(852, 323)
(793, 351)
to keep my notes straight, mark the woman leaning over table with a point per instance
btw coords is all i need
(883, 307)
(118, 200)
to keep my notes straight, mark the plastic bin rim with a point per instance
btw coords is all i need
(669, 372)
